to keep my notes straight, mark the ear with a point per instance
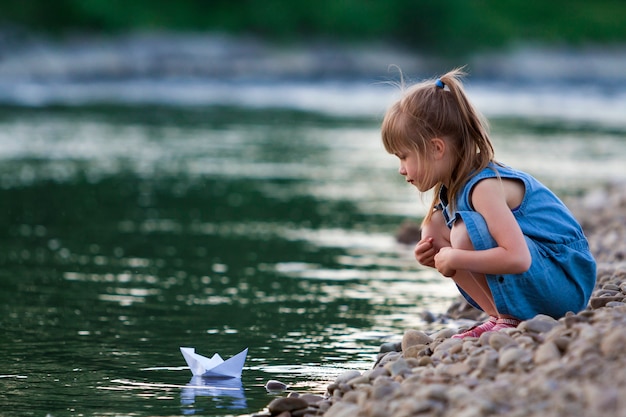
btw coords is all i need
(439, 147)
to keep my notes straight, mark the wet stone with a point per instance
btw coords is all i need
(390, 347)
(347, 376)
(274, 385)
(311, 398)
(280, 405)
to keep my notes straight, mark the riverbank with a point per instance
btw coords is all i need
(545, 367)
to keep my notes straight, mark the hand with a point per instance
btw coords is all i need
(442, 262)
(425, 252)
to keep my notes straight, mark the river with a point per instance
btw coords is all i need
(145, 212)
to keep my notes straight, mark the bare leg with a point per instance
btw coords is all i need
(438, 230)
(474, 284)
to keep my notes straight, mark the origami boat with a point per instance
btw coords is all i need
(214, 367)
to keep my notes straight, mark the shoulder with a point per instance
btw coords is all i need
(488, 186)
(510, 190)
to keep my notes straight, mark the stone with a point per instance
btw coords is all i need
(346, 376)
(279, 405)
(498, 340)
(450, 345)
(539, 324)
(512, 356)
(390, 347)
(428, 317)
(311, 398)
(414, 351)
(457, 369)
(342, 409)
(546, 352)
(598, 302)
(385, 390)
(425, 361)
(414, 337)
(359, 380)
(399, 367)
(274, 385)
(443, 334)
(612, 345)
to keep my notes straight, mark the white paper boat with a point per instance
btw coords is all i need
(215, 367)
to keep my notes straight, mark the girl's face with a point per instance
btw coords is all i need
(416, 170)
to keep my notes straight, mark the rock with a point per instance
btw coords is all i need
(414, 337)
(547, 352)
(361, 379)
(311, 398)
(273, 385)
(346, 376)
(597, 302)
(398, 367)
(539, 324)
(613, 344)
(408, 232)
(384, 389)
(512, 357)
(443, 334)
(279, 405)
(428, 317)
(414, 351)
(390, 347)
(498, 340)
(342, 409)
(457, 369)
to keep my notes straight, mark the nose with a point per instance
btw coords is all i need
(402, 170)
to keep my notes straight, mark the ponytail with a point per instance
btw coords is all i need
(440, 108)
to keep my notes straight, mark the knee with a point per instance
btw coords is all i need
(459, 237)
(437, 229)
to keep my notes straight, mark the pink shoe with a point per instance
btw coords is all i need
(476, 331)
(505, 324)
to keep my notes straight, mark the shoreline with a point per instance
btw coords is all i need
(545, 367)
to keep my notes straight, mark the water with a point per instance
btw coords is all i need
(251, 214)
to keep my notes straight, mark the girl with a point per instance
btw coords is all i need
(511, 246)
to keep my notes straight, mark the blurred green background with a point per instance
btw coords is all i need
(444, 26)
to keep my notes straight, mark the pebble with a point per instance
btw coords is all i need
(279, 405)
(545, 367)
(414, 337)
(273, 385)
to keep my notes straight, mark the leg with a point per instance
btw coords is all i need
(474, 284)
(438, 230)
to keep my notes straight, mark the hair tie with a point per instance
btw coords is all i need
(439, 83)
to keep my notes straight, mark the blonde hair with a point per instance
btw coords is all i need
(440, 109)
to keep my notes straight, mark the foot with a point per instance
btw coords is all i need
(507, 323)
(476, 331)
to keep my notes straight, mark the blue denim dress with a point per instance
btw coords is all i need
(562, 274)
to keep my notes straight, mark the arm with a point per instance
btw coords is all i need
(491, 198)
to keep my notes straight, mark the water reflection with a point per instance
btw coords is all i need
(129, 233)
(224, 393)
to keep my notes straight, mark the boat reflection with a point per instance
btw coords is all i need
(224, 392)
